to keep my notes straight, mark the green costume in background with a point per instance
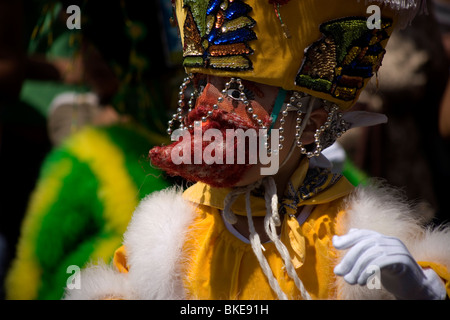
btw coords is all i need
(86, 193)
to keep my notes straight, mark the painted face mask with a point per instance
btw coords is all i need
(210, 151)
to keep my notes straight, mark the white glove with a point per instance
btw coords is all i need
(400, 274)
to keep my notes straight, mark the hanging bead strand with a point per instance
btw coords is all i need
(178, 116)
(284, 28)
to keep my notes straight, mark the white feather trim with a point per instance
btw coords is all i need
(100, 282)
(154, 241)
(384, 209)
(432, 246)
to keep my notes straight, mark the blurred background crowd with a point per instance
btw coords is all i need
(80, 108)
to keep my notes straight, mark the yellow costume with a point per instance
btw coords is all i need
(215, 252)
(218, 265)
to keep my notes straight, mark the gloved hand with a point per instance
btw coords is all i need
(400, 274)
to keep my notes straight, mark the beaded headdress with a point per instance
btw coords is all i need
(319, 50)
(326, 48)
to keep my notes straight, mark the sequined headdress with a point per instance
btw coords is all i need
(326, 48)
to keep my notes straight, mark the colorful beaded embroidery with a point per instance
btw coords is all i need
(216, 34)
(317, 180)
(346, 55)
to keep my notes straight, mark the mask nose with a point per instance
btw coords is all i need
(213, 98)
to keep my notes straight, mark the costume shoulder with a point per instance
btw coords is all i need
(153, 241)
(380, 207)
(385, 209)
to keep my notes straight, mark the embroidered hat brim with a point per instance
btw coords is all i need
(331, 52)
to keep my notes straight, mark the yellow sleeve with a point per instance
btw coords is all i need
(120, 260)
(441, 271)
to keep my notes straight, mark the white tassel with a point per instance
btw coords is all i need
(256, 246)
(272, 220)
(254, 238)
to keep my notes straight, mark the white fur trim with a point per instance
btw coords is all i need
(384, 209)
(100, 282)
(154, 242)
(433, 246)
